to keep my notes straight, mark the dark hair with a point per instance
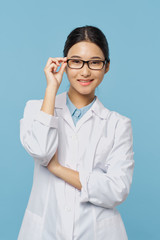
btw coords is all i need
(90, 34)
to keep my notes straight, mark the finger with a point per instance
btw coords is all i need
(51, 60)
(51, 67)
(54, 65)
(57, 60)
(62, 68)
(61, 59)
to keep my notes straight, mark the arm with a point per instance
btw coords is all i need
(54, 80)
(68, 175)
(106, 189)
(110, 188)
(39, 126)
(39, 132)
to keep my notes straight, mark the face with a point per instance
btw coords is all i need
(84, 81)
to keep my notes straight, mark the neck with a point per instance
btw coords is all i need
(80, 100)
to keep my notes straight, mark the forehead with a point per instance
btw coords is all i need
(85, 50)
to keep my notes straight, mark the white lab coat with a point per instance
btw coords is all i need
(99, 147)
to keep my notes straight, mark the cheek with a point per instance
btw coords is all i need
(99, 76)
(71, 74)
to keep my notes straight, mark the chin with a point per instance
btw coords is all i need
(86, 92)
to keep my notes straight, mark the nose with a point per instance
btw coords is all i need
(85, 71)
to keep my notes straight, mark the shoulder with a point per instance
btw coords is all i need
(109, 115)
(115, 116)
(119, 122)
(115, 122)
(122, 124)
(118, 125)
(37, 103)
(33, 105)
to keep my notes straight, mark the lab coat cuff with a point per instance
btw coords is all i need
(84, 178)
(46, 119)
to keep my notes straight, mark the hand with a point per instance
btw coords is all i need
(53, 164)
(54, 78)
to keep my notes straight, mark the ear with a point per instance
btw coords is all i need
(107, 68)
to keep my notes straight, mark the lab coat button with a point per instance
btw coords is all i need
(68, 209)
(74, 137)
(77, 113)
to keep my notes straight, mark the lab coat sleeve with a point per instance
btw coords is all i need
(109, 187)
(39, 132)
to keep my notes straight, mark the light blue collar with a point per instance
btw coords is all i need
(75, 112)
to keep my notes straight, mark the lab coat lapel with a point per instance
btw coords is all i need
(64, 112)
(102, 113)
(62, 109)
(96, 134)
(82, 120)
(98, 109)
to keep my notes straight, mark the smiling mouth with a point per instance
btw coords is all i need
(85, 81)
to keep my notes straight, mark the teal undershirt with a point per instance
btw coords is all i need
(76, 113)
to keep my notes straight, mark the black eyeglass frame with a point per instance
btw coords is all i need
(104, 62)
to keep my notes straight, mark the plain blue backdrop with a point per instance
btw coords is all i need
(31, 32)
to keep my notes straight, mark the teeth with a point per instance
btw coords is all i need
(84, 81)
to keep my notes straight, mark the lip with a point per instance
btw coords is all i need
(85, 82)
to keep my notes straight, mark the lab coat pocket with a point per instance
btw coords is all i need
(31, 227)
(104, 146)
(111, 228)
(103, 149)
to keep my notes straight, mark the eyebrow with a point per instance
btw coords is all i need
(80, 57)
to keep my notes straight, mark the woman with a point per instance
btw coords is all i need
(82, 151)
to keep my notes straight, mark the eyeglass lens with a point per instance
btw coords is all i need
(93, 64)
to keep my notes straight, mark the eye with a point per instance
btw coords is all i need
(76, 61)
(95, 62)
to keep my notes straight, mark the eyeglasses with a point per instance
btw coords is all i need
(92, 64)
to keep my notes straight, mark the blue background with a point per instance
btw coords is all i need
(33, 31)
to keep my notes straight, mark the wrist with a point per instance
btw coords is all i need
(51, 90)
